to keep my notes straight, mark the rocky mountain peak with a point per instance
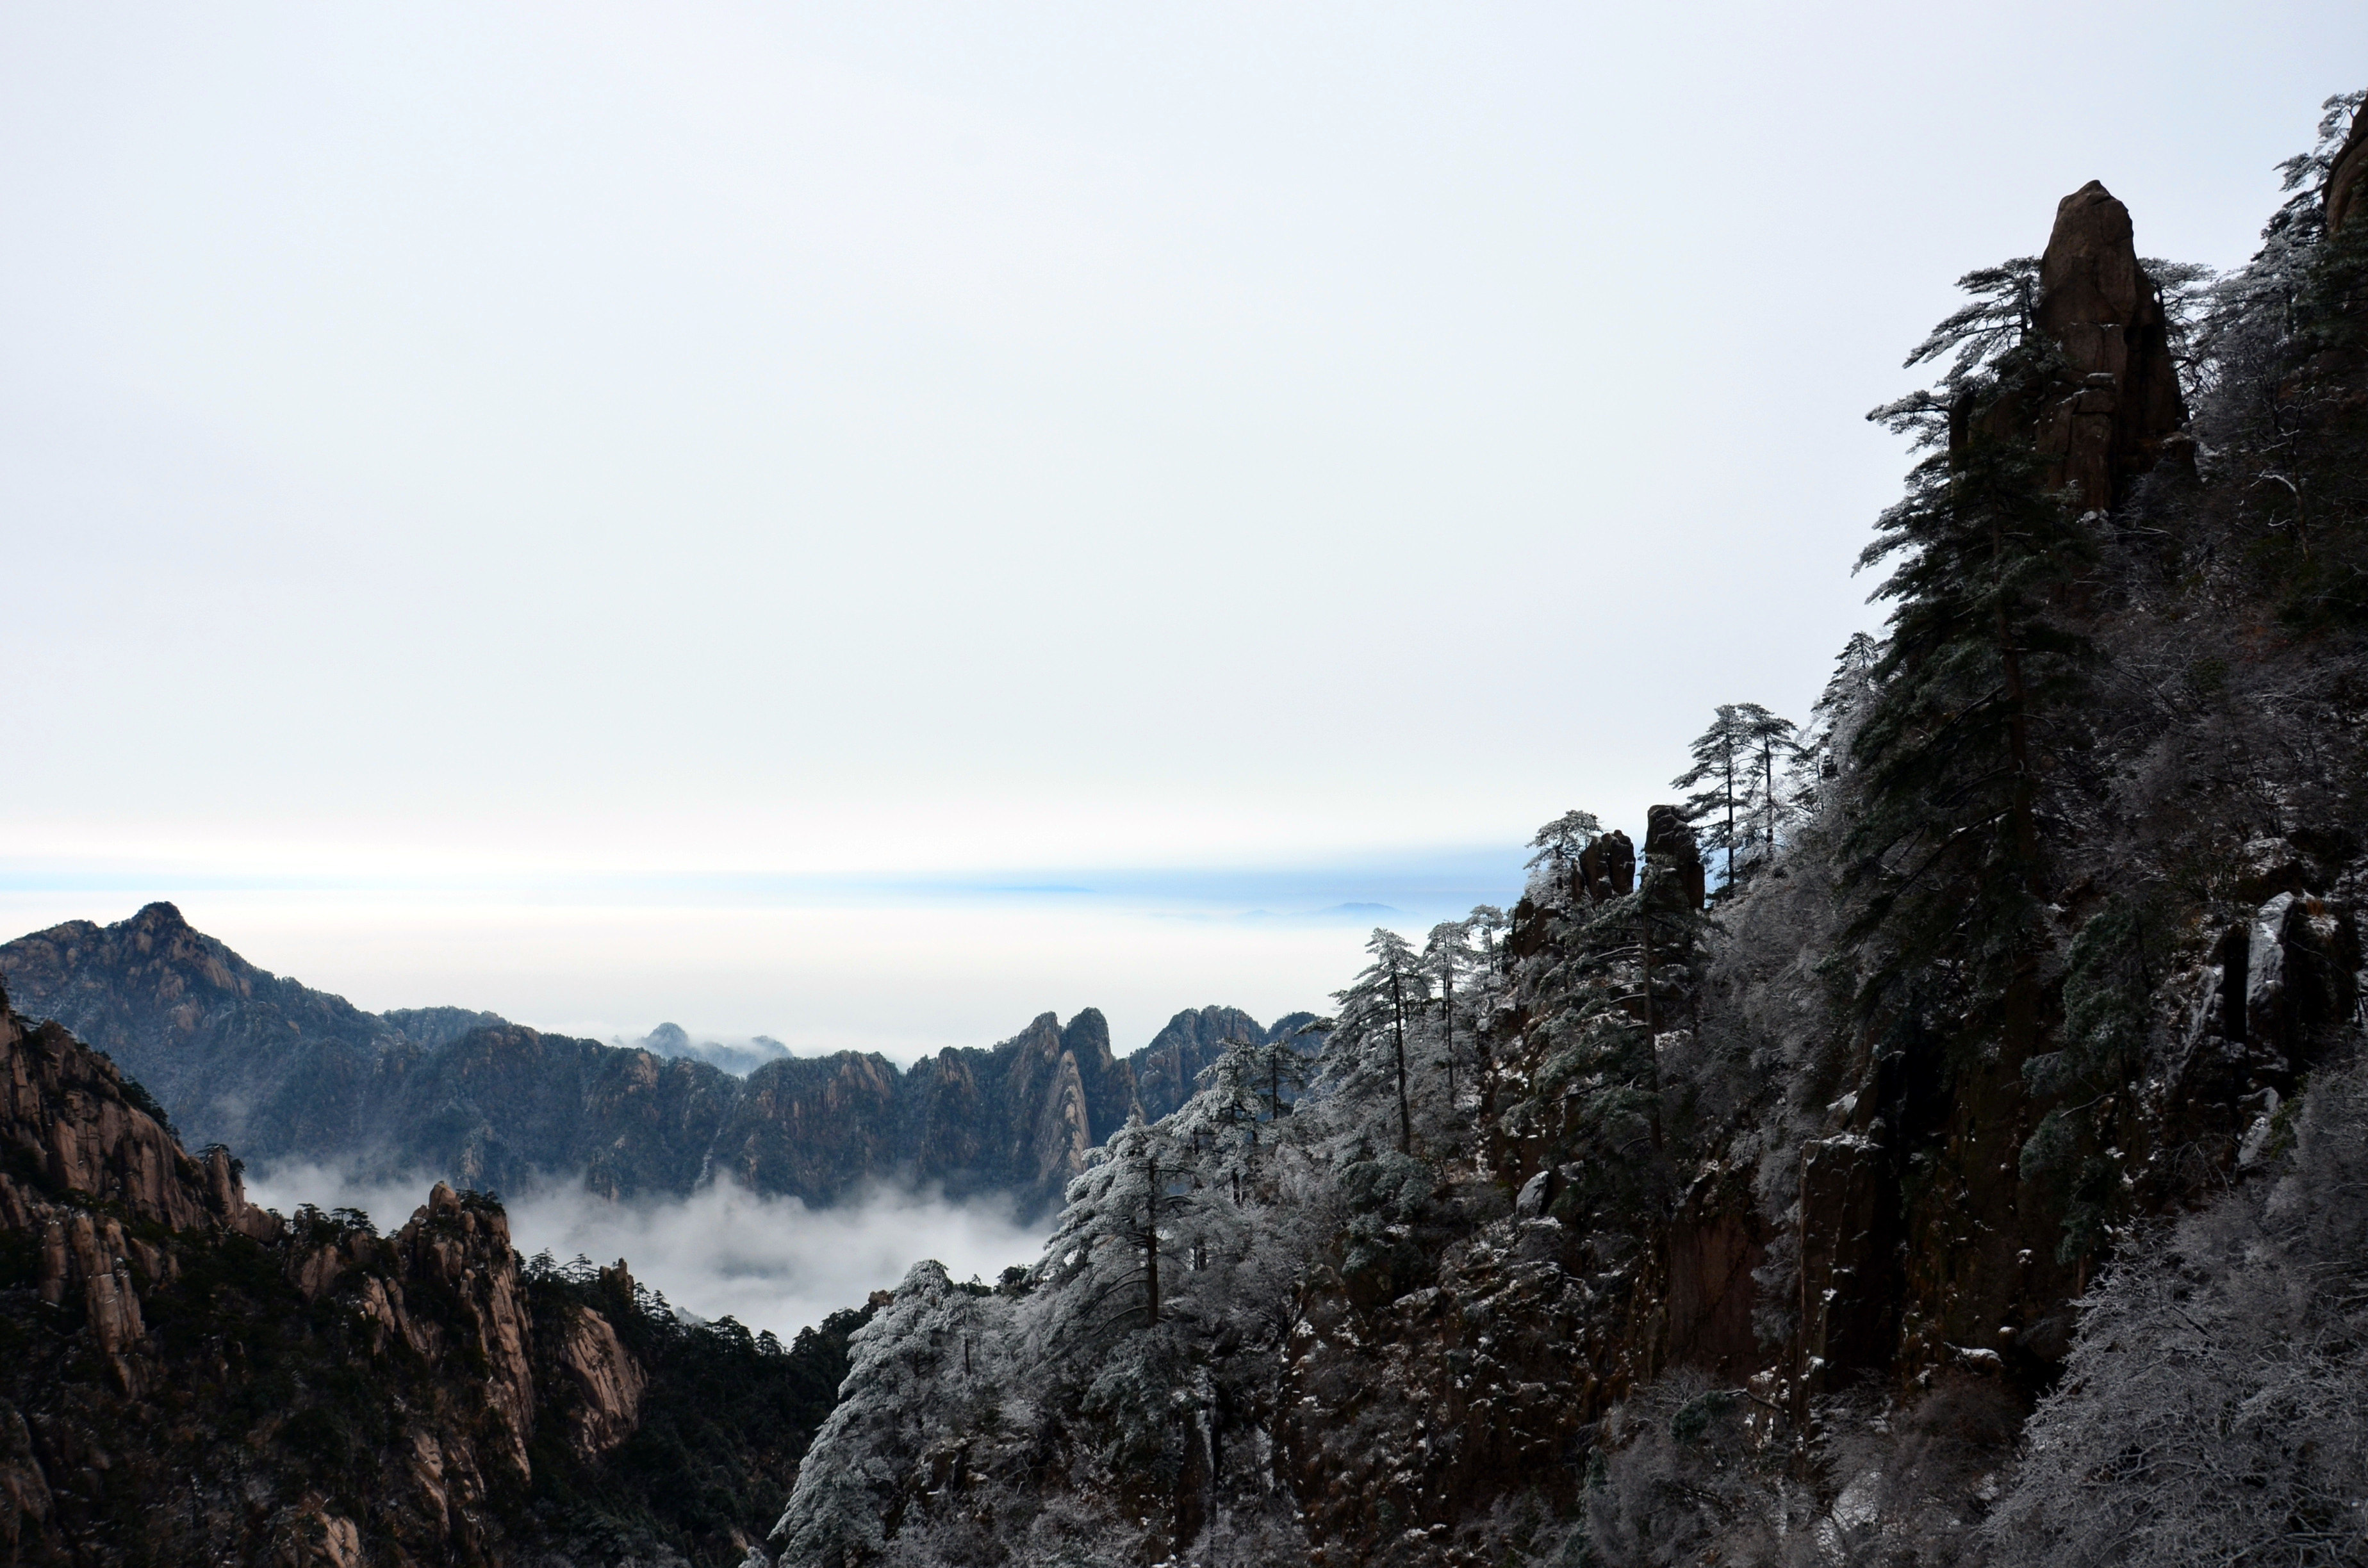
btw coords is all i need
(2107, 418)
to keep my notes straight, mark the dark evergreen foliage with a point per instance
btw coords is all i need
(724, 1420)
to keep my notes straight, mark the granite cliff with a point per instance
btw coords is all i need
(192, 1379)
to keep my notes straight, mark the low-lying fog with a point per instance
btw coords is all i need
(771, 1262)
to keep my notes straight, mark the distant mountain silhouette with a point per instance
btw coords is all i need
(240, 1056)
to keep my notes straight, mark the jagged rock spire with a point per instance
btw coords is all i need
(2104, 423)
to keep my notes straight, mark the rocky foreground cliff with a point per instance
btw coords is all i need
(1980, 1178)
(189, 1379)
(241, 1056)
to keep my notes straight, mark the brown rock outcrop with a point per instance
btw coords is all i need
(192, 1379)
(2105, 420)
(2346, 178)
(26, 1502)
(462, 1252)
(84, 1157)
(605, 1379)
(70, 1126)
(1607, 866)
(1848, 1235)
(1668, 838)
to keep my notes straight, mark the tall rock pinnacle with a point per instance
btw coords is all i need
(2104, 423)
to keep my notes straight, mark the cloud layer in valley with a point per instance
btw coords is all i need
(771, 1262)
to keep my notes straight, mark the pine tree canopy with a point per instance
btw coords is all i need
(1736, 802)
(1946, 845)
(1564, 839)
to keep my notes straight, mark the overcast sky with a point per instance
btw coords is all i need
(444, 442)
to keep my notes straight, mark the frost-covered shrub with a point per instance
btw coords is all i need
(928, 1371)
(1679, 1479)
(2214, 1408)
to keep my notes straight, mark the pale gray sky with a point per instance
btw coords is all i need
(442, 441)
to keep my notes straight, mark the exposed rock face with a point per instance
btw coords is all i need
(1165, 1070)
(69, 1122)
(242, 1055)
(191, 1379)
(1850, 1244)
(2104, 423)
(463, 1256)
(124, 1217)
(2347, 178)
(608, 1382)
(1668, 837)
(1607, 868)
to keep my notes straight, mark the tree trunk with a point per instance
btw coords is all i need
(1406, 1115)
(1730, 815)
(1151, 1240)
(1447, 1010)
(1768, 791)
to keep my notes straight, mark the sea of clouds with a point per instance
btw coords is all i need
(773, 1263)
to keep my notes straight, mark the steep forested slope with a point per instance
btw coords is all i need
(1975, 1179)
(240, 1056)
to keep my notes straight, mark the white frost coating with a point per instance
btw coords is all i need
(2266, 963)
(913, 1366)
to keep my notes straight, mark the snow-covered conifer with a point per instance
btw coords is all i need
(1102, 1263)
(1374, 1017)
(1559, 844)
(1737, 796)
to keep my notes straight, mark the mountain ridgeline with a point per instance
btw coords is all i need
(1964, 1165)
(281, 1071)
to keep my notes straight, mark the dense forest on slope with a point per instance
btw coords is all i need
(1959, 1162)
(240, 1056)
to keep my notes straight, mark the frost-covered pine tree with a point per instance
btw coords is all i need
(1281, 1068)
(927, 1368)
(1559, 845)
(1945, 850)
(1736, 795)
(2252, 319)
(1103, 1260)
(1447, 959)
(1373, 1021)
(1228, 1099)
